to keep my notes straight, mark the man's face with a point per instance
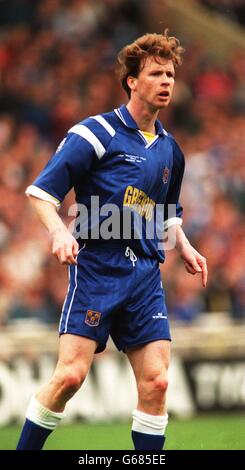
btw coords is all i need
(154, 84)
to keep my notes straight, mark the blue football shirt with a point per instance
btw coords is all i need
(108, 161)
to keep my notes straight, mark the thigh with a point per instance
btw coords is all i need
(76, 351)
(74, 361)
(149, 360)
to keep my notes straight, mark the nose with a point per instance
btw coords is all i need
(166, 79)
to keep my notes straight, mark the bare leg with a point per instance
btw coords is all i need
(46, 410)
(150, 364)
(75, 358)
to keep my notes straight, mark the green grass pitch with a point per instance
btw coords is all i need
(209, 432)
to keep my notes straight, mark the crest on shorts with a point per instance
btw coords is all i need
(92, 318)
(165, 175)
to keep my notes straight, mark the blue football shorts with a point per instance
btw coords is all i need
(115, 291)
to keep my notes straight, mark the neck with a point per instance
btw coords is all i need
(144, 117)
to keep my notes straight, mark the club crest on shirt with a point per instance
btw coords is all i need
(92, 318)
(165, 175)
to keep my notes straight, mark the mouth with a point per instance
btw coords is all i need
(164, 94)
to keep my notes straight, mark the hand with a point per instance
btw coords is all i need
(65, 247)
(194, 262)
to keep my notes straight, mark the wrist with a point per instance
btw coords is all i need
(181, 241)
(57, 230)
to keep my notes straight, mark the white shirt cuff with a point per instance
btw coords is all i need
(173, 221)
(41, 194)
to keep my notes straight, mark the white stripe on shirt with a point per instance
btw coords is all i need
(119, 114)
(88, 135)
(105, 124)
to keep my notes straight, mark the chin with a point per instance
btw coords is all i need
(157, 106)
(163, 105)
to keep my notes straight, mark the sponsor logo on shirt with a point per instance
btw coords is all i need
(139, 201)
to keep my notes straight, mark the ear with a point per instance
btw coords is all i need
(131, 82)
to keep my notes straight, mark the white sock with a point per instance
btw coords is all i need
(38, 414)
(149, 424)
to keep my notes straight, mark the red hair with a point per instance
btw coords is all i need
(132, 57)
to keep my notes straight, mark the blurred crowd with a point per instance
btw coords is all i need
(57, 66)
(234, 10)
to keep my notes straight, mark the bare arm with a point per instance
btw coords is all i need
(64, 245)
(194, 262)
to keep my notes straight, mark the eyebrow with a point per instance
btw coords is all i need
(161, 70)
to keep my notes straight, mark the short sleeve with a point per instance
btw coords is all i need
(71, 161)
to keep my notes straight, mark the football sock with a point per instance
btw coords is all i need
(40, 422)
(148, 431)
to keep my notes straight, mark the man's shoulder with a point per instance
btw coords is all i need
(176, 147)
(98, 129)
(171, 139)
(104, 122)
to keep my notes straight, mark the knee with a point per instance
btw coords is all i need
(68, 380)
(160, 384)
(153, 387)
(71, 382)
